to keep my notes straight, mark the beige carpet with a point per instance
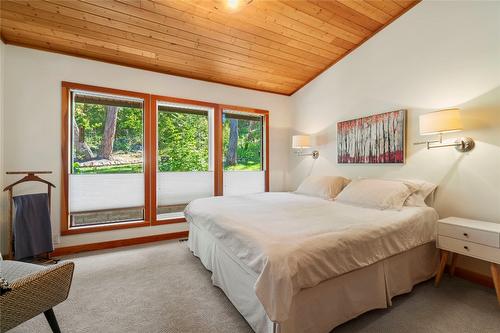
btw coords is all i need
(162, 287)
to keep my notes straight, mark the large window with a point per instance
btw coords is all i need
(243, 153)
(184, 156)
(243, 141)
(107, 159)
(108, 134)
(133, 159)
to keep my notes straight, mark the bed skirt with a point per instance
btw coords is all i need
(325, 306)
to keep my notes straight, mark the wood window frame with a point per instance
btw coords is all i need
(265, 118)
(217, 146)
(66, 88)
(150, 154)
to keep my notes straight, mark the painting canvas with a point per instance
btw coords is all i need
(378, 138)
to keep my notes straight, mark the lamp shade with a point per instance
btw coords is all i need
(301, 141)
(440, 122)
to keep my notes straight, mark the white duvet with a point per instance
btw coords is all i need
(293, 241)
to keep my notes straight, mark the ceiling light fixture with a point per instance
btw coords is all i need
(233, 4)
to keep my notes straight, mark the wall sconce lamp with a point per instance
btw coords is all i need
(444, 121)
(301, 142)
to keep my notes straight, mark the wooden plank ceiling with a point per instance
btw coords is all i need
(274, 46)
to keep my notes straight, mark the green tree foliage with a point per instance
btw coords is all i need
(129, 128)
(129, 131)
(249, 144)
(182, 142)
(90, 120)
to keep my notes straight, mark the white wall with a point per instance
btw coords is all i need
(3, 196)
(438, 55)
(33, 121)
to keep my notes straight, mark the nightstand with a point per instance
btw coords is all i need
(477, 239)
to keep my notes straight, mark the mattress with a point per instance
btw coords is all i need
(291, 242)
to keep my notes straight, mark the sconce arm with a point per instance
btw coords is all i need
(314, 154)
(463, 144)
(429, 142)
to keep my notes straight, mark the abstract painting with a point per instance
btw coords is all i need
(378, 138)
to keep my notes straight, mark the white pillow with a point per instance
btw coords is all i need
(326, 187)
(424, 189)
(377, 193)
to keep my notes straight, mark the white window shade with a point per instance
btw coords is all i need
(105, 191)
(106, 99)
(185, 106)
(182, 187)
(244, 182)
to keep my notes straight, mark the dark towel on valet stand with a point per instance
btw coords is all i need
(31, 228)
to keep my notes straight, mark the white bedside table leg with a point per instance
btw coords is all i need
(442, 265)
(495, 273)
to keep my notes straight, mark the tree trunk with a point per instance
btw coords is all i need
(232, 150)
(80, 145)
(108, 136)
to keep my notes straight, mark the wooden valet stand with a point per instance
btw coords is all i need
(30, 176)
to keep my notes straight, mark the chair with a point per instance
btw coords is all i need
(33, 289)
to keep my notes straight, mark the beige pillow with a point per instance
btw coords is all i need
(424, 190)
(377, 193)
(326, 187)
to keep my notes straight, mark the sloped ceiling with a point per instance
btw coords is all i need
(274, 46)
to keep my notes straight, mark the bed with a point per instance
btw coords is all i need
(295, 263)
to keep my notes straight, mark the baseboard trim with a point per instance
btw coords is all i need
(62, 251)
(474, 277)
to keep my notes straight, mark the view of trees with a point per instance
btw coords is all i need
(182, 141)
(242, 140)
(102, 133)
(109, 139)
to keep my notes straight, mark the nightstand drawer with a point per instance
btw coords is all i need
(479, 251)
(489, 238)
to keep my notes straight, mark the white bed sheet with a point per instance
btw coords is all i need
(292, 242)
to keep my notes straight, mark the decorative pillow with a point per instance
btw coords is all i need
(424, 189)
(377, 193)
(4, 286)
(326, 187)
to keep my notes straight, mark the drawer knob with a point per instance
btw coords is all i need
(466, 247)
(466, 234)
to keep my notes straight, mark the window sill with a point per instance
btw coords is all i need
(170, 221)
(117, 226)
(104, 227)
